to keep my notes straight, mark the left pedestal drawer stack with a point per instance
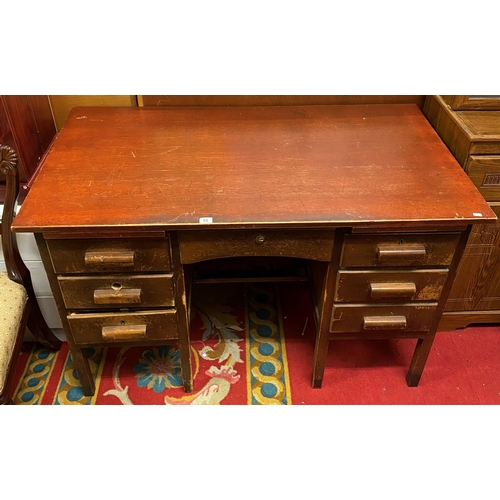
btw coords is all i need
(121, 290)
(116, 290)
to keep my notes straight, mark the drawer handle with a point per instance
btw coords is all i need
(260, 238)
(124, 332)
(387, 253)
(120, 296)
(384, 290)
(120, 259)
(384, 323)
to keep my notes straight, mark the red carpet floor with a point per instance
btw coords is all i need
(253, 345)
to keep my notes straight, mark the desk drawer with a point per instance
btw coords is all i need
(196, 246)
(105, 292)
(108, 328)
(362, 318)
(398, 250)
(390, 286)
(110, 255)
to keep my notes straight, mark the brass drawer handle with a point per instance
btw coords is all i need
(387, 290)
(388, 253)
(120, 259)
(124, 332)
(260, 238)
(384, 322)
(117, 296)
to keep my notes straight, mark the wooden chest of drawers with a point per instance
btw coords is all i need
(470, 127)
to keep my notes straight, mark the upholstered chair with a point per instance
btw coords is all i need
(18, 305)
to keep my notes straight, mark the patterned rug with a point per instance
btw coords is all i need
(238, 357)
(253, 345)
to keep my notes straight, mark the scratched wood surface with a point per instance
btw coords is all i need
(248, 167)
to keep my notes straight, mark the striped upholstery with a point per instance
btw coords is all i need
(13, 298)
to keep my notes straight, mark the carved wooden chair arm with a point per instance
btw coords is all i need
(16, 269)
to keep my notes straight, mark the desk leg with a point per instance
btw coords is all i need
(320, 352)
(182, 314)
(82, 367)
(325, 302)
(424, 345)
(419, 359)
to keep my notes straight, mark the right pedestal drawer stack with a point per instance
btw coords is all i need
(391, 282)
(470, 127)
(390, 286)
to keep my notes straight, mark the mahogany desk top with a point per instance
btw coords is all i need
(276, 166)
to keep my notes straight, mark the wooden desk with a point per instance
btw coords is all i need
(129, 198)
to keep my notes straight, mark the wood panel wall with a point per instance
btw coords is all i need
(274, 100)
(62, 104)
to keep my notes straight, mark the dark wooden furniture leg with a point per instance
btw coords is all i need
(420, 355)
(424, 345)
(325, 312)
(323, 328)
(82, 367)
(320, 353)
(181, 304)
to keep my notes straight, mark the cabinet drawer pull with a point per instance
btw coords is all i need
(387, 253)
(384, 290)
(121, 259)
(122, 296)
(384, 322)
(124, 332)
